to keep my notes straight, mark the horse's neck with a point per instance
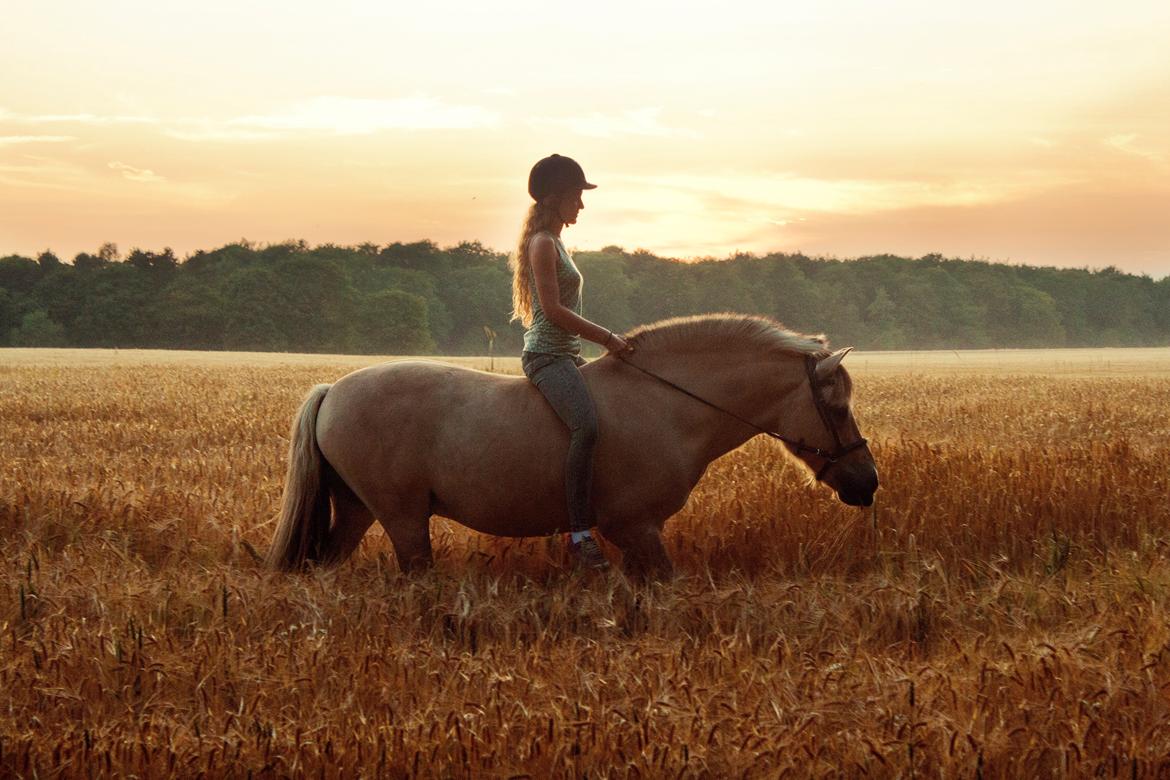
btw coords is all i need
(751, 389)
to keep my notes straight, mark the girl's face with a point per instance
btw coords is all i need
(569, 206)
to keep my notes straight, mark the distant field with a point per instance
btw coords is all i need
(1095, 362)
(1000, 612)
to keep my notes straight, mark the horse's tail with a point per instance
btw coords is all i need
(304, 513)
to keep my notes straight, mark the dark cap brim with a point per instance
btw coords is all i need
(588, 186)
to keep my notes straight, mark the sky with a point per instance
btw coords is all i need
(1023, 132)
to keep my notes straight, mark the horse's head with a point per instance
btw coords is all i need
(820, 420)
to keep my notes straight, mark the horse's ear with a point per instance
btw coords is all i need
(826, 366)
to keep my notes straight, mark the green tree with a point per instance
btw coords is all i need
(419, 255)
(1070, 291)
(662, 288)
(116, 310)
(19, 274)
(846, 326)
(254, 304)
(9, 315)
(605, 297)
(48, 261)
(720, 287)
(318, 299)
(64, 294)
(476, 296)
(37, 329)
(1120, 307)
(376, 277)
(833, 297)
(162, 262)
(190, 316)
(108, 252)
(1037, 318)
(392, 322)
(1162, 311)
(795, 297)
(920, 314)
(882, 317)
(468, 254)
(83, 261)
(293, 296)
(995, 291)
(279, 252)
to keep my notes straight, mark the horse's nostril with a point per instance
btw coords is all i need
(855, 498)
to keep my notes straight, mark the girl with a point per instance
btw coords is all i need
(546, 298)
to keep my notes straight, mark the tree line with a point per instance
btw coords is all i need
(418, 298)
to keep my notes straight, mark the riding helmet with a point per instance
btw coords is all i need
(555, 174)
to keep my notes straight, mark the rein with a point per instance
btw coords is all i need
(810, 366)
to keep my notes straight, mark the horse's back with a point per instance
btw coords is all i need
(409, 400)
(485, 447)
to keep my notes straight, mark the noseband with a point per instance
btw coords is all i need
(810, 366)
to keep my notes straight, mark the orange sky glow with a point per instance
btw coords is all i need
(1030, 132)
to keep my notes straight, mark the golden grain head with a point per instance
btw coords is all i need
(1001, 610)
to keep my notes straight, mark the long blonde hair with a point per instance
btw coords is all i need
(542, 216)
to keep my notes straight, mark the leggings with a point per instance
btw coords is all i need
(558, 377)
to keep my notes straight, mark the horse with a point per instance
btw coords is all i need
(405, 440)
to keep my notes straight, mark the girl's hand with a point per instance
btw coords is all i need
(617, 344)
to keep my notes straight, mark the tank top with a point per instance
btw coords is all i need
(542, 335)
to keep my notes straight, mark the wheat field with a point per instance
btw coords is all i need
(1000, 612)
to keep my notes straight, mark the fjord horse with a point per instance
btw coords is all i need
(402, 441)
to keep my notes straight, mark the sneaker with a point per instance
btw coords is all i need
(588, 555)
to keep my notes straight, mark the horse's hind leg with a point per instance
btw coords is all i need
(643, 554)
(407, 521)
(412, 542)
(351, 520)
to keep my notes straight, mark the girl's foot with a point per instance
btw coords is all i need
(588, 554)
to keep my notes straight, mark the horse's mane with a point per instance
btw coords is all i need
(726, 331)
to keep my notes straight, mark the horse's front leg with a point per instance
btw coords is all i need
(643, 554)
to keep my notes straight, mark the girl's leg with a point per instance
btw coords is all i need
(561, 383)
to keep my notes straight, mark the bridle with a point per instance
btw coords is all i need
(810, 366)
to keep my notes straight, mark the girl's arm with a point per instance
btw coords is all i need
(543, 253)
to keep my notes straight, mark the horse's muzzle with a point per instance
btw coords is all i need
(856, 499)
(858, 487)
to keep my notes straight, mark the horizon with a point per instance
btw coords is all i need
(1030, 135)
(122, 254)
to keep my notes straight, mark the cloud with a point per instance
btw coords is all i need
(337, 115)
(33, 139)
(1124, 142)
(209, 131)
(779, 196)
(85, 119)
(1070, 226)
(136, 174)
(359, 116)
(43, 173)
(636, 121)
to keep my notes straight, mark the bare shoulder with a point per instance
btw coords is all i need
(542, 251)
(541, 242)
